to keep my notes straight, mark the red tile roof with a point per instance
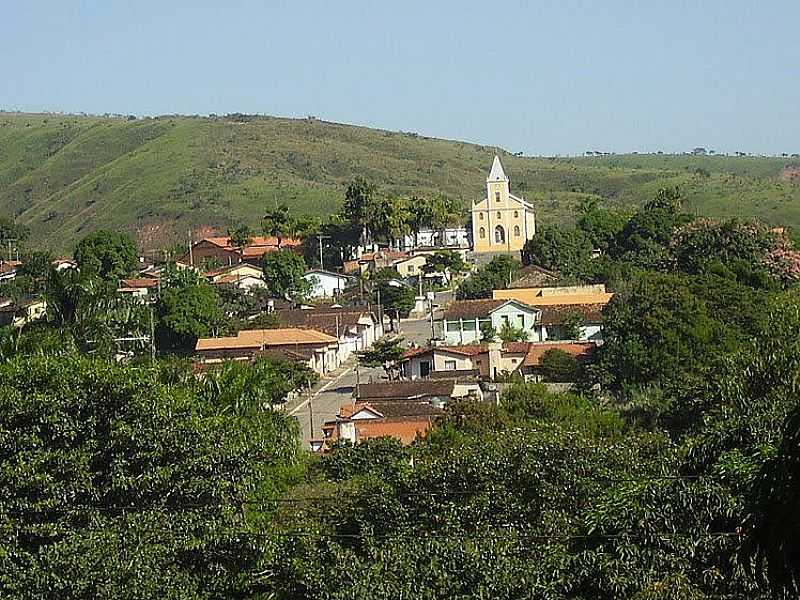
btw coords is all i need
(581, 350)
(405, 429)
(471, 309)
(138, 283)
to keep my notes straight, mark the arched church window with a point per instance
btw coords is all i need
(499, 215)
(480, 216)
(497, 196)
(499, 235)
(516, 214)
(516, 230)
(482, 233)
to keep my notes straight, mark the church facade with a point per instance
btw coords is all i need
(501, 222)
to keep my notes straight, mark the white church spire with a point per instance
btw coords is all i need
(497, 173)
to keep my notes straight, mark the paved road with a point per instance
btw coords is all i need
(336, 389)
(327, 396)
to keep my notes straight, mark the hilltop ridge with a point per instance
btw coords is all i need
(158, 178)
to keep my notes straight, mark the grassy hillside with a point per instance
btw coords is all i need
(158, 178)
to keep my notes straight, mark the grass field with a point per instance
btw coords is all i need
(159, 178)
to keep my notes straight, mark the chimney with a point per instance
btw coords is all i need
(495, 358)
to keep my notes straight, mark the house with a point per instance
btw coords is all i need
(18, 314)
(488, 360)
(242, 275)
(62, 264)
(355, 329)
(402, 420)
(141, 287)
(501, 222)
(559, 305)
(327, 284)
(438, 392)
(410, 266)
(8, 269)
(449, 237)
(531, 365)
(534, 276)
(224, 252)
(320, 348)
(374, 261)
(461, 321)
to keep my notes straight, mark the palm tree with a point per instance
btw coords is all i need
(278, 223)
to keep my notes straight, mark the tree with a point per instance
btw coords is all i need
(11, 230)
(488, 332)
(567, 251)
(509, 333)
(185, 313)
(387, 353)
(283, 274)
(240, 236)
(278, 223)
(116, 485)
(559, 366)
(446, 262)
(389, 218)
(110, 254)
(35, 271)
(360, 205)
(397, 301)
(659, 332)
(249, 388)
(600, 225)
(495, 275)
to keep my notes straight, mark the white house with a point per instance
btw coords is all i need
(450, 237)
(461, 322)
(327, 284)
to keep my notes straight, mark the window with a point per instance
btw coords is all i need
(506, 320)
(453, 325)
(516, 230)
(499, 235)
(482, 232)
(411, 268)
(516, 214)
(497, 196)
(521, 320)
(449, 365)
(468, 324)
(480, 216)
(499, 215)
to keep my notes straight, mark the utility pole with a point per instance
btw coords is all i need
(310, 408)
(191, 253)
(320, 238)
(152, 337)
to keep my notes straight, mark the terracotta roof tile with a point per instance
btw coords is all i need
(141, 282)
(402, 390)
(258, 338)
(471, 309)
(404, 429)
(555, 314)
(581, 350)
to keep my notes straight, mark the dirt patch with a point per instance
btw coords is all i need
(791, 174)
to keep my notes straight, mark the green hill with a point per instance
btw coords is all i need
(158, 178)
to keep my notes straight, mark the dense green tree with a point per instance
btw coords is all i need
(386, 352)
(600, 225)
(445, 262)
(240, 236)
(567, 251)
(397, 301)
(11, 230)
(116, 485)
(360, 204)
(510, 333)
(185, 313)
(278, 223)
(495, 275)
(110, 254)
(658, 332)
(283, 274)
(557, 365)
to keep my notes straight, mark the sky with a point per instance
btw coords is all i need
(539, 77)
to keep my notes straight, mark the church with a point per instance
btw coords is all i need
(501, 222)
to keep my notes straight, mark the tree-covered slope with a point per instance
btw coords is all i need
(65, 175)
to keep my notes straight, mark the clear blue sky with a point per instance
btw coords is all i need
(555, 77)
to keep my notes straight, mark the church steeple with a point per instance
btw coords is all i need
(497, 173)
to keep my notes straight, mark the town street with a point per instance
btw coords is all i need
(337, 388)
